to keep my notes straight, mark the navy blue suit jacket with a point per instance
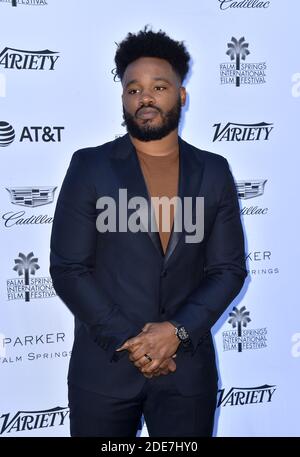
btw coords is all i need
(115, 282)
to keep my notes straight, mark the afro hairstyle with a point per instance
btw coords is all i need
(147, 43)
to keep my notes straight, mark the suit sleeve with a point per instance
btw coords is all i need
(225, 270)
(72, 261)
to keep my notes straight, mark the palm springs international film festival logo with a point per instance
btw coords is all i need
(238, 72)
(26, 2)
(20, 59)
(26, 421)
(241, 396)
(30, 197)
(240, 337)
(28, 286)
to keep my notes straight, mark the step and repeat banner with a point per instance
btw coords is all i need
(58, 93)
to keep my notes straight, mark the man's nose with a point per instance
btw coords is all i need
(146, 98)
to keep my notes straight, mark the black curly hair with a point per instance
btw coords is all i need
(147, 43)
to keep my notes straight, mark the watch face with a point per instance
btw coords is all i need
(183, 334)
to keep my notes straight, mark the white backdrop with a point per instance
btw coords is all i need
(57, 94)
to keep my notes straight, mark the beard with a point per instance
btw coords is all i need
(147, 132)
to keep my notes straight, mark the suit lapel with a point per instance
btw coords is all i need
(190, 177)
(127, 168)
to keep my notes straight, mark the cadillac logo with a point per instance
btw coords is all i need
(250, 189)
(31, 196)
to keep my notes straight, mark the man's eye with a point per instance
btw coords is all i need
(133, 91)
(160, 88)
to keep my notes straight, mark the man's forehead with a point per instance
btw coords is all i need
(151, 67)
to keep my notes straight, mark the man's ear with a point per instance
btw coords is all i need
(182, 95)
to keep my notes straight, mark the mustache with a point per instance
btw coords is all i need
(147, 106)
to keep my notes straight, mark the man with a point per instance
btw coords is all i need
(145, 296)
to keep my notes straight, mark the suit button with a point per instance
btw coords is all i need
(163, 273)
(162, 310)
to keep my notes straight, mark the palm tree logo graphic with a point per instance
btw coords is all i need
(239, 318)
(26, 265)
(237, 49)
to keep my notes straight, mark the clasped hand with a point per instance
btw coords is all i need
(157, 340)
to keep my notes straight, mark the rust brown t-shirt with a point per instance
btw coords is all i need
(161, 177)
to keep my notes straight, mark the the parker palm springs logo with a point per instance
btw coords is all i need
(240, 72)
(240, 337)
(28, 286)
(260, 263)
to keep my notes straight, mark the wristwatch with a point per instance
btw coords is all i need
(181, 333)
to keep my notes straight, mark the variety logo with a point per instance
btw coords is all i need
(29, 286)
(7, 134)
(26, 2)
(296, 345)
(250, 189)
(241, 396)
(240, 338)
(263, 260)
(296, 85)
(30, 197)
(2, 86)
(20, 59)
(228, 4)
(33, 134)
(242, 132)
(240, 73)
(14, 349)
(33, 420)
